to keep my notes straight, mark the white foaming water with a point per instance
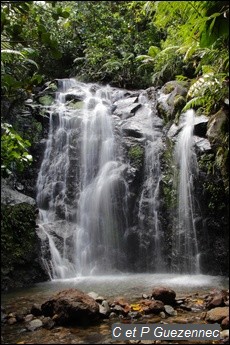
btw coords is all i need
(79, 186)
(185, 253)
(148, 213)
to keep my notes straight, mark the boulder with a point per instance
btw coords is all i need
(215, 127)
(216, 298)
(34, 324)
(202, 145)
(164, 294)
(36, 310)
(217, 314)
(171, 99)
(151, 307)
(10, 196)
(71, 306)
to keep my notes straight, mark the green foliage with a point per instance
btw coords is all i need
(17, 235)
(14, 151)
(15, 70)
(166, 63)
(195, 46)
(208, 92)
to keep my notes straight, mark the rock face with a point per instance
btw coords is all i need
(11, 196)
(20, 254)
(71, 307)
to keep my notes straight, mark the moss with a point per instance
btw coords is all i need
(46, 100)
(163, 113)
(168, 88)
(17, 235)
(168, 188)
(179, 103)
(76, 105)
(29, 128)
(136, 155)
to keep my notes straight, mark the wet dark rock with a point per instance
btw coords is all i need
(48, 323)
(225, 323)
(75, 97)
(200, 126)
(216, 298)
(151, 307)
(71, 307)
(164, 294)
(36, 310)
(127, 111)
(12, 320)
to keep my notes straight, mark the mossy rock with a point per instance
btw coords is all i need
(168, 88)
(52, 87)
(46, 100)
(136, 155)
(19, 246)
(76, 105)
(179, 103)
(180, 87)
(18, 232)
(163, 113)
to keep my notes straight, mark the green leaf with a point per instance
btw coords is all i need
(45, 36)
(65, 14)
(55, 16)
(56, 54)
(153, 51)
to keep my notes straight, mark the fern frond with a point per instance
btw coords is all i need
(194, 103)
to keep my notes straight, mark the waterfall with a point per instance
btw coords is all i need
(185, 253)
(150, 229)
(81, 190)
(99, 211)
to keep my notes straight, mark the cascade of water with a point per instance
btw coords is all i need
(185, 254)
(151, 234)
(83, 195)
(80, 187)
(99, 236)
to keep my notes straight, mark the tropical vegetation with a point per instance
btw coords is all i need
(130, 44)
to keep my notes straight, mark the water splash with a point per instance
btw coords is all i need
(185, 253)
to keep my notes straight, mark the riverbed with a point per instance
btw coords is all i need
(130, 286)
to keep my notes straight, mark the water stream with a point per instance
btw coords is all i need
(185, 243)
